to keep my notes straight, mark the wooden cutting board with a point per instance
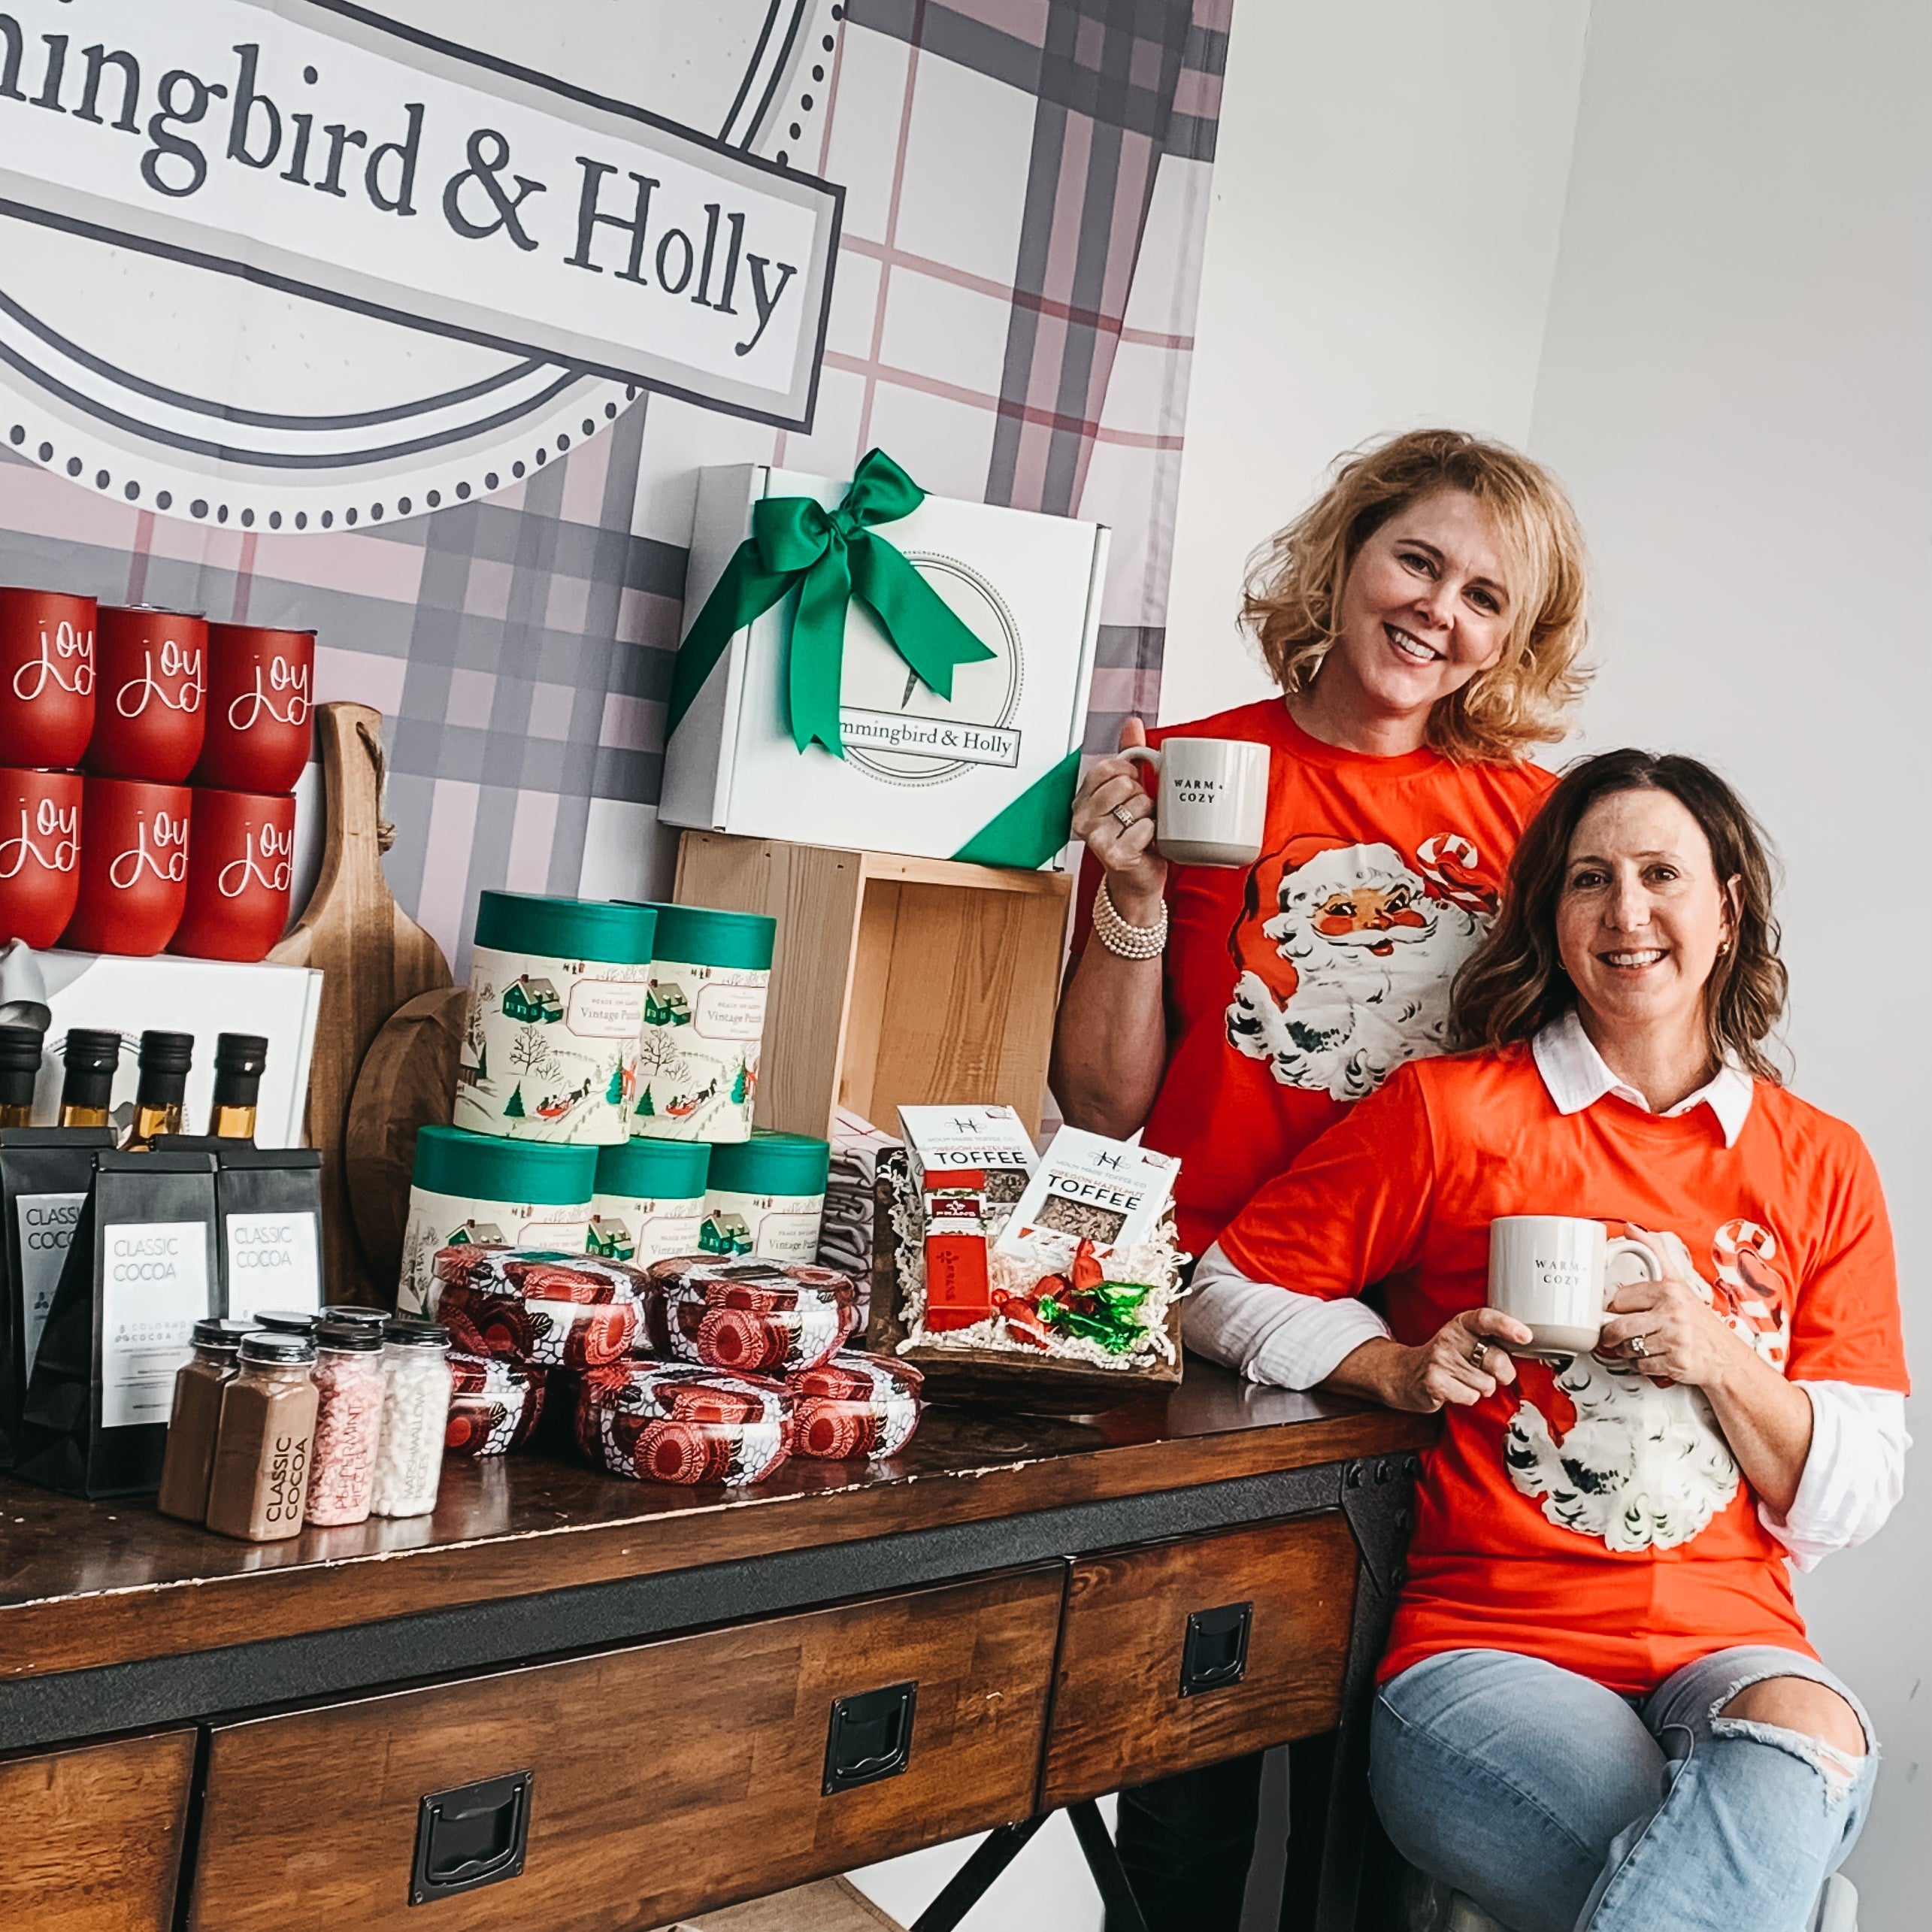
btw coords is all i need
(373, 957)
(408, 1080)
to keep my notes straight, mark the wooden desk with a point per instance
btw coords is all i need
(665, 1661)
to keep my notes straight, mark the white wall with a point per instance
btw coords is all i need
(1726, 360)
(1388, 191)
(1736, 386)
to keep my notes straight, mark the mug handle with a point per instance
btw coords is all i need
(1620, 1245)
(1142, 755)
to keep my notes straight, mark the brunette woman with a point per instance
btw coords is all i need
(1599, 1709)
(1424, 619)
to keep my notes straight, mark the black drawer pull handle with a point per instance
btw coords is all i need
(471, 1836)
(869, 1737)
(1215, 1653)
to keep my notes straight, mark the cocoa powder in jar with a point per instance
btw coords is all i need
(260, 1481)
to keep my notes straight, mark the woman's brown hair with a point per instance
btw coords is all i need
(1514, 984)
(1293, 599)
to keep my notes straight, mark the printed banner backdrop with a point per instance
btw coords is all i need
(413, 323)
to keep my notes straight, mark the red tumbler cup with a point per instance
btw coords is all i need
(260, 725)
(46, 677)
(238, 877)
(134, 866)
(152, 674)
(40, 854)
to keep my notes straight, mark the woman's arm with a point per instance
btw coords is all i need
(1110, 1040)
(1766, 1420)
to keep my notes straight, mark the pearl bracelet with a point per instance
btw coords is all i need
(1123, 940)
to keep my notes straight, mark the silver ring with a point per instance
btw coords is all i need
(1125, 817)
(1636, 1347)
(1478, 1353)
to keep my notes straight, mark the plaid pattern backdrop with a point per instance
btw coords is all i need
(1027, 186)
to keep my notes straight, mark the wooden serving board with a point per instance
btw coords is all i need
(408, 1080)
(373, 957)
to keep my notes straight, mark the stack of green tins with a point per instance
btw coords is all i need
(697, 1078)
(546, 1074)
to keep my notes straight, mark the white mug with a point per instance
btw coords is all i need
(1213, 804)
(1556, 1274)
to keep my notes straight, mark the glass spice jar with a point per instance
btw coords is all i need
(416, 1413)
(260, 1479)
(189, 1457)
(350, 1388)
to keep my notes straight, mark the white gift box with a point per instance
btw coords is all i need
(207, 998)
(921, 774)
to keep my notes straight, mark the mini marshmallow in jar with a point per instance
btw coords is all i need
(416, 1382)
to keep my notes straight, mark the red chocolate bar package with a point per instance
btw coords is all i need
(854, 1405)
(544, 1310)
(670, 1422)
(753, 1317)
(494, 1405)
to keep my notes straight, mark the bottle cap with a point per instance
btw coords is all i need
(221, 1331)
(88, 1051)
(268, 1345)
(360, 1337)
(353, 1311)
(20, 1049)
(285, 1321)
(241, 1053)
(167, 1052)
(411, 1334)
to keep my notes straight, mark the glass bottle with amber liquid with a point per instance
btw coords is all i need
(166, 1058)
(19, 1068)
(239, 1058)
(87, 1089)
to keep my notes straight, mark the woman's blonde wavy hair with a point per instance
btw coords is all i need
(1293, 592)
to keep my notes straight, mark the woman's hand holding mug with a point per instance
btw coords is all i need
(1466, 1358)
(1668, 1329)
(1113, 816)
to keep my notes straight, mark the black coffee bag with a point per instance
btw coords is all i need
(45, 1173)
(141, 1269)
(269, 1203)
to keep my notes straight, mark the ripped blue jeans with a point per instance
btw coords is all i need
(1559, 1806)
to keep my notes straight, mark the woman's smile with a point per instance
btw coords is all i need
(1638, 960)
(1410, 646)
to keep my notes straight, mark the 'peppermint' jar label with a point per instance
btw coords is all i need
(697, 1059)
(773, 1227)
(449, 1220)
(549, 1048)
(633, 1228)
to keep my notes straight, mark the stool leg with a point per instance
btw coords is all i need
(975, 1879)
(1123, 1910)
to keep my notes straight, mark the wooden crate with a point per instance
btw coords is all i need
(896, 980)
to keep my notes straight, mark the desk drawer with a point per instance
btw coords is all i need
(665, 1778)
(1120, 1715)
(94, 1835)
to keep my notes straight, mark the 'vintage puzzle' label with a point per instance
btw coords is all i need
(449, 1220)
(698, 1060)
(634, 1228)
(549, 1049)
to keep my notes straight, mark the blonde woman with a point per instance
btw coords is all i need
(1425, 620)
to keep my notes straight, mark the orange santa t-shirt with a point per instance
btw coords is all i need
(1296, 986)
(1586, 1515)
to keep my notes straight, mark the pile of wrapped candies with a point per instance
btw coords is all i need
(696, 1370)
(1081, 1302)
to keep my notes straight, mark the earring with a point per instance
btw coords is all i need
(1724, 949)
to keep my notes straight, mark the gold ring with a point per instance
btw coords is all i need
(1479, 1353)
(1125, 817)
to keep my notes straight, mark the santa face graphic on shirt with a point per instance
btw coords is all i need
(1350, 976)
(1642, 1466)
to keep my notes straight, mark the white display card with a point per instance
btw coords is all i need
(273, 1262)
(154, 1288)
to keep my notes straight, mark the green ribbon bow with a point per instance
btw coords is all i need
(831, 556)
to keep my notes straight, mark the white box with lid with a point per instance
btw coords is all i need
(921, 774)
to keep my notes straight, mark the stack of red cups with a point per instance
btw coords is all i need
(181, 725)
